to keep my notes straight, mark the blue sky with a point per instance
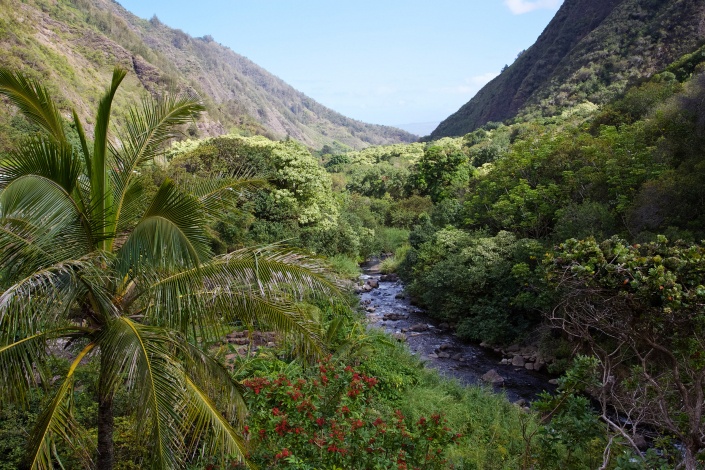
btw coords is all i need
(380, 61)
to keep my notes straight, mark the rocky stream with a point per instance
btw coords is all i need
(508, 370)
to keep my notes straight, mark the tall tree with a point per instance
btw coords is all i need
(87, 259)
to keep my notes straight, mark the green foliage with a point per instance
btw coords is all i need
(377, 180)
(640, 309)
(489, 285)
(440, 171)
(117, 274)
(573, 435)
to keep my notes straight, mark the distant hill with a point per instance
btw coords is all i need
(590, 51)
(74, 44)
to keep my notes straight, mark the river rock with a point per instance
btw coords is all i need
(443, 355)
(400, 295)
(373, 283)
(444, 326)
(419, 327)
(392, 277)
(366, 288)
(401, 337)
(433, 356)
(513, 348)
(492, 377)
(371, 309)
(444, 346)
(553, 381)
(529, 366)
(457, 357)
(539, 365)
(518, 361)
(394, 316)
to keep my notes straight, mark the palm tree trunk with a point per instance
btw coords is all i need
(106, 447)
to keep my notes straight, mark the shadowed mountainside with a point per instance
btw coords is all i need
(590, 51)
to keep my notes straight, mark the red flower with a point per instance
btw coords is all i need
(357, 424)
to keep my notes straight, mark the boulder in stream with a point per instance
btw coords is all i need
(419, 327)
(492, 377)
(394, 316)
(401, 337)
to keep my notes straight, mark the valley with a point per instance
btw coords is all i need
(203, 268)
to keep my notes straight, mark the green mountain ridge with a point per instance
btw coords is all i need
(73, 45)
(590, 51)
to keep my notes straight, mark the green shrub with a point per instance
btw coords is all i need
(491, 286)
(328, 420)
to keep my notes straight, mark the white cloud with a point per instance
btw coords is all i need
(519, 7)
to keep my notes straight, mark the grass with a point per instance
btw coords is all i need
(344, 266)
(391, 264)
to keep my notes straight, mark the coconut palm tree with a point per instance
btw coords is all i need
(91, 262)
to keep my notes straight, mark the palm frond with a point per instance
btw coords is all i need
(52, 292)
(146, 132)
(84, 143)
(22, 362)
(220, 194)
(42, 157)
(101, 194)
(57, 421)
(277, 271)
(18, 366)
(39, 224)
(290, 319)
(169, 235)
(213, 378)
(144, 355)
(202, 418)
(34, 101)
(238, 287)
(132, 209)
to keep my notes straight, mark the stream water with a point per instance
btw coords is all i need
(389, 309)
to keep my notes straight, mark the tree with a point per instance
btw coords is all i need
(440, 172)
(640, 310)
(88, 260)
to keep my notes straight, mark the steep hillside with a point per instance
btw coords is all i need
(590, 51)
(73, 44)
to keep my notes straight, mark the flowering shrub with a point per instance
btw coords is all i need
(327, 421)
